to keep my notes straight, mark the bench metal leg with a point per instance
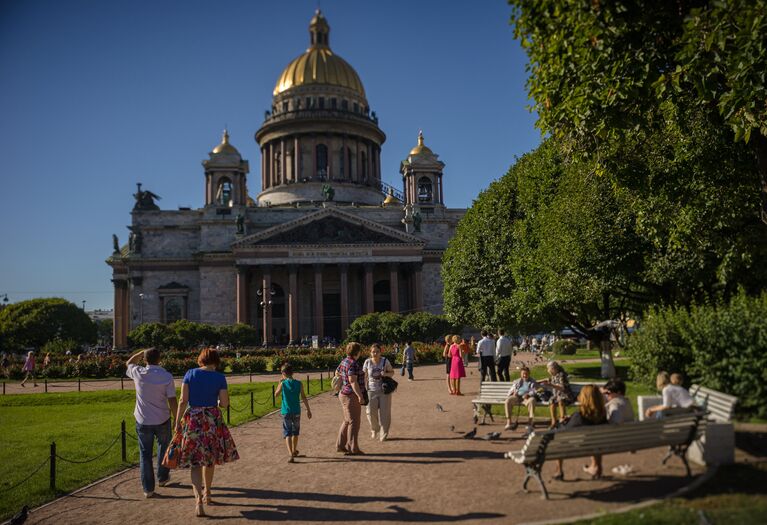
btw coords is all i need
(534, 471)
(681, 452)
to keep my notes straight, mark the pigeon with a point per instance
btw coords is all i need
(492, 435)
(439, 408)
(21, 517)
(470, 434)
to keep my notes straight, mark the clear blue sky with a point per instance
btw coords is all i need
(98, 95)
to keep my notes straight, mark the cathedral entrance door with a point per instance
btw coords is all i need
(331, 307)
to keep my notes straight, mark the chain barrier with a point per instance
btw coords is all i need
(92, 459)
(134, 438)
(41, 465)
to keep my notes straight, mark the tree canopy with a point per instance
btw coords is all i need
(600, 70)
(35, 322)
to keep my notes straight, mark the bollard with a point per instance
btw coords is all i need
(228, 414)
(251, 404)
(46, 385)
(122, 385)
(274, 399)
(78, 384)
(322, 387)
(53, 465)
(307, 385)
(122, 441)
(3, 387)
(250, 377)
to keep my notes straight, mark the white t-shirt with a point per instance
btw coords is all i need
(154, 386)
(375, 373)
(619, 410)
(503, 347)
(676, 396)
(486, 347)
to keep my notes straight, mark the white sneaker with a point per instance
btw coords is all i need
(384, 436)
(148, 495)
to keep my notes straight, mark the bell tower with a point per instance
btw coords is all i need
(225, 176)
(422, 177)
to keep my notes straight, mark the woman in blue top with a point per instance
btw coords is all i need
(205, 440)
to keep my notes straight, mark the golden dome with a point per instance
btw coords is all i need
(420, 149)
(319, 65)
(390, 199)
(225, 148)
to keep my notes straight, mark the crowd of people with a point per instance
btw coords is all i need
(190, 432)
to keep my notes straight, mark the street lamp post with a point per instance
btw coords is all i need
(83, 305)
(266, 302)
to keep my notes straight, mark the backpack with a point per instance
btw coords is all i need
(388, 383)
(336, 383)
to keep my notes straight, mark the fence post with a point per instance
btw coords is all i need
(53, 465)
(122, 385)
(78, 383)
(308, 387)
(274, 399)
(122, 441)
(46, 385)
(251, 404)
(3, 387)
(322, 387)
(250, 376)
(228, 413)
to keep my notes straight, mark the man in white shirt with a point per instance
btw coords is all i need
(486, 353)
(522, 392)
(503, 350)
(155, 403)
(618, 408)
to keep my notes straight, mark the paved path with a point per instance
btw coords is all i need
(424, 473)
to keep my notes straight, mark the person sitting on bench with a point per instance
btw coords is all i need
(591, 411)
(522, 392)
(674, 395)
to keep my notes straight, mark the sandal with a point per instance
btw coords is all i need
(199, 509)
(206, 498)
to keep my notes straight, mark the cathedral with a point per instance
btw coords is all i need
(325, 240)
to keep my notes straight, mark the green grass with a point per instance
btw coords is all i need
(83, 425)
(736, 495)
(580, 353)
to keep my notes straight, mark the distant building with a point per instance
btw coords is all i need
(324, 242)
(100, 315)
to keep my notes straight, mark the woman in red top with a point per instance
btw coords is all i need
(457, 370)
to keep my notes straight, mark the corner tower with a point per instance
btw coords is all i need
(225, 176)
(320, 130)
(422, 177)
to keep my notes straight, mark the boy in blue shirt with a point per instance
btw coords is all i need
(292, 390)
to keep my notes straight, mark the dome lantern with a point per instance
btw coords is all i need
(319, 31)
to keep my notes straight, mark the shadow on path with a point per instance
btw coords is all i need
(396, 513)
(235, 492)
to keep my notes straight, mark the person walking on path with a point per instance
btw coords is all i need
(457, 371)
(408, 358)
(205, 440)
(376, 367)
(503, 350)
(486, 353)
(465, 350)
(448, 362)
(352, 397)
(292, 394)
(155, 405)
(29, 368)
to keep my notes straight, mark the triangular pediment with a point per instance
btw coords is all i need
(329, 226)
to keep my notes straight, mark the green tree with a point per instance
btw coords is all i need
(34, 322)
(599, 70)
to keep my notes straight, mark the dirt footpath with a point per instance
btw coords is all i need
(426, 472)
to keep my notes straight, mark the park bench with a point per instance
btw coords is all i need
(495, 393)
(717, 445)
(677, 432)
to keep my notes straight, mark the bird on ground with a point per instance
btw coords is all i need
(470, 434)
(21, 517)
(492, 435)
(439, 408)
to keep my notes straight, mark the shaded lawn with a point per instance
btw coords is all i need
(83, 425)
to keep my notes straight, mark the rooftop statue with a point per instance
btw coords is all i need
(144, 199)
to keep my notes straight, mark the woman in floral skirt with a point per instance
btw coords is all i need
(205, 440)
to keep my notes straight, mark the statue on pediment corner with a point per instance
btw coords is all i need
(145, 200)
(328, 192)
(115, 245)
(408, 219)
(240, 223)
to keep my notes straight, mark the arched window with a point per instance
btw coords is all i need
(174, 309)
(322, 161)
(425, 193)
(224, 192)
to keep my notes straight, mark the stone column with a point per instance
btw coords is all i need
(296, 160)
(417, 288)
(263, 168)
(344, 278)
(293, 303)
(394, 286)
(369, 304)
(441, 196)
(319, 315)
(283, 164)
(266, 288)
(242, 294)
(120, 332)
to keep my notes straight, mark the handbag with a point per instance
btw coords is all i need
(170, 460)
(336, 383)
(389, 384)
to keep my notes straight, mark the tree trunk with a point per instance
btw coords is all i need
(608, 365)
(760, 143)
